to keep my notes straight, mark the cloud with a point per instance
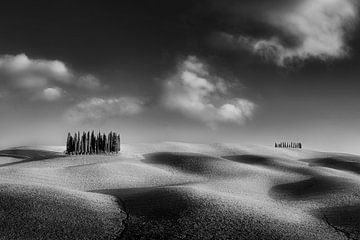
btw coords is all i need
(34, 79)
(198, 94)
(42, 79)
(89, 81)
(100, 109)
(21, 66)
(51, 94)
(304, 29)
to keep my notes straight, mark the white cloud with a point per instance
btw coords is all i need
(320, 29)
(198, 94)
(34, 79)
(51, 94)
(41, 79)
(100, 109)
(239, 109)
(20, 65)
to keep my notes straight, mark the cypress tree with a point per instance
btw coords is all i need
(78, 142)
(84, 143)
(98, 143)
(75, 143)
(104, 143)
(71, 145)
(101, 143)
(92, 150)
(81, 144)
(68, 143)
(109, 142)
(88, 143)
(114, 141)
(118, 142)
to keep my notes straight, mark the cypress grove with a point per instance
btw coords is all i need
(288, 145)
(88, 143)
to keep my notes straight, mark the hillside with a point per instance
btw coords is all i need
(184, 191)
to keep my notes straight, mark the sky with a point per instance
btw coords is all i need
(232, 71)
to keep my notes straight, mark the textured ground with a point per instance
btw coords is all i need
(181, 191)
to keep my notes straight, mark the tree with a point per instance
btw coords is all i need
(104, 143)
(96, 145)
(75, 143)
(101, 146)
(87, 143)
(113, 142)
(68, 143)
(118, 148)
(110, 142)
(78, 142)
(92, 142)
(84, 143)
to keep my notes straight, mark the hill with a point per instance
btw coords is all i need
(195, 191)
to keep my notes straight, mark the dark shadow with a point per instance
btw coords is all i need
(250, 159)
(28, 155)
(344, 219)
(314, 187)
(345, 164)
(153, 203)
(187, 162)
(270, 163)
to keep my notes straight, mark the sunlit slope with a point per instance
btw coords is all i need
(38, 212)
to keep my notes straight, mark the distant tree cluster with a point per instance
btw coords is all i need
(92, 144)
(288, 145)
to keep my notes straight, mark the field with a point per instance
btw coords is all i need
(179, 191)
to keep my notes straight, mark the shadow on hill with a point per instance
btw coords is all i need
(155, 212)
(28, 155)
(197, 164)
(345, 219)
(270, 163)
(315, 187)
(187, 162)
(251, 159)
(154, 203)
(345, 164)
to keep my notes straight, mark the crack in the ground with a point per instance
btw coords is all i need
(337, 229)
(125, 221)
